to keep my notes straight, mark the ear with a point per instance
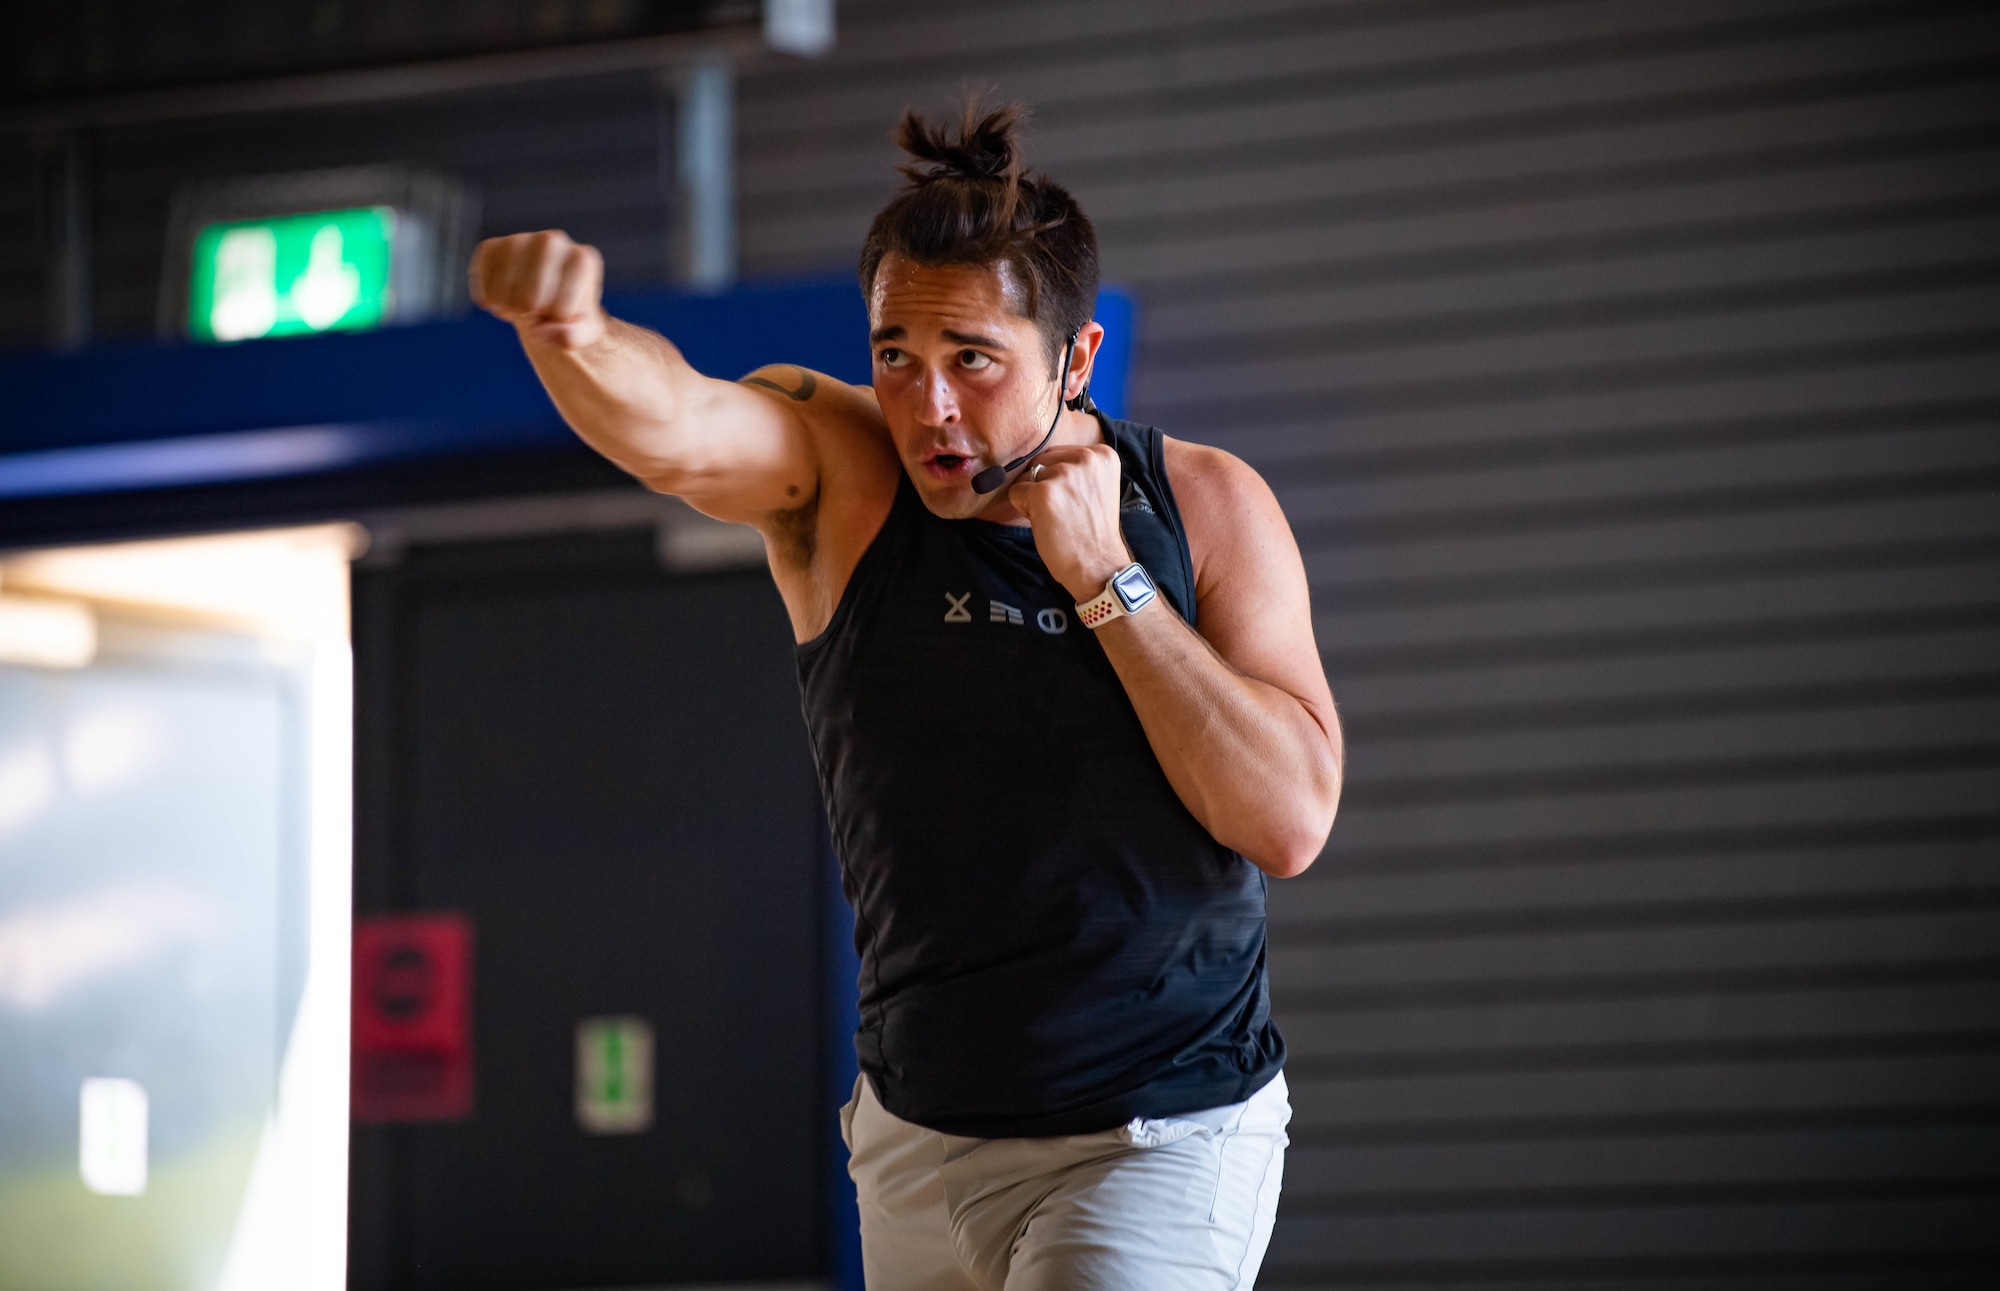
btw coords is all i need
(1076, 382)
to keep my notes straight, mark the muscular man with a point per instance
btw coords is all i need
(1067, 714)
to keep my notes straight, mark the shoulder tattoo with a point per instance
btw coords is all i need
(805, 391)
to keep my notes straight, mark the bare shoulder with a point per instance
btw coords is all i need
(842, 421)
(1229, 512)
(815, 395)
(814, 542)
(1206, 476)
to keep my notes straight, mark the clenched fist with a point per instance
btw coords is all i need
(1070, 496)
(547, 286)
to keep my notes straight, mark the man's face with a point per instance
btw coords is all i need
(964, 380)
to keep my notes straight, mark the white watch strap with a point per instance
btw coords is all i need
(1101, 609)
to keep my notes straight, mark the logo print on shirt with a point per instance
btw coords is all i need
(1000, 612)
(958, 613)
(1053, 622)
(1133, 500)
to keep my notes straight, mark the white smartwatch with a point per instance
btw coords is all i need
(1129, 591)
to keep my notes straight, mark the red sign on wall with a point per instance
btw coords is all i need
(412, 1041)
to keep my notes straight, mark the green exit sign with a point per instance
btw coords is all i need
(291, 274)
(614, 1075)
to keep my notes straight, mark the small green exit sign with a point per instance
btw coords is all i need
(291, 274)
(614, 1075)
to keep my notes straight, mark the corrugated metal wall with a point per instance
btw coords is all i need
(1629, 374)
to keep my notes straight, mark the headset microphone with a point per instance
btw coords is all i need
(994, 476)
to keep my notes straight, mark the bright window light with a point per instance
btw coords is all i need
(156, 796)
(112, 1136)
(44, 632)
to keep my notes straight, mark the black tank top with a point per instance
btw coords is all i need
(1050, 942)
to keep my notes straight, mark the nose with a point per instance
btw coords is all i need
(938, 405)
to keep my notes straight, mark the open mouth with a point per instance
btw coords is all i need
(945, 466)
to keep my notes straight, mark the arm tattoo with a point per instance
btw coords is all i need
(803, 393)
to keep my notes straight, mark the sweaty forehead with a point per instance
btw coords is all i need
(926, 299)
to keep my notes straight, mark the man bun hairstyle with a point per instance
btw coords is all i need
(969, 202)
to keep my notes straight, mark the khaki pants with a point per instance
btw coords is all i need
(1154, 1205)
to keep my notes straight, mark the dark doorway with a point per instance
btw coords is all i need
(602, 766)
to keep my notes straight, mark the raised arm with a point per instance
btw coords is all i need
(1239, 715)
(734, 451)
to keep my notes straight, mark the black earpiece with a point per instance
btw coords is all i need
(994, 476)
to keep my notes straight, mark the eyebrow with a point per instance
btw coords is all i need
(895, 332)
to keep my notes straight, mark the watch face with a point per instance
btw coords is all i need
(1133, 585)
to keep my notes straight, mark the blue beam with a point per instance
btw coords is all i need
(141, 416)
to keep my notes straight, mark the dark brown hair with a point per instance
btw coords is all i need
(973, 204)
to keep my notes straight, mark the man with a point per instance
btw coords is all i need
(1067, 711)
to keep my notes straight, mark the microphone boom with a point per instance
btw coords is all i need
(994, 476)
